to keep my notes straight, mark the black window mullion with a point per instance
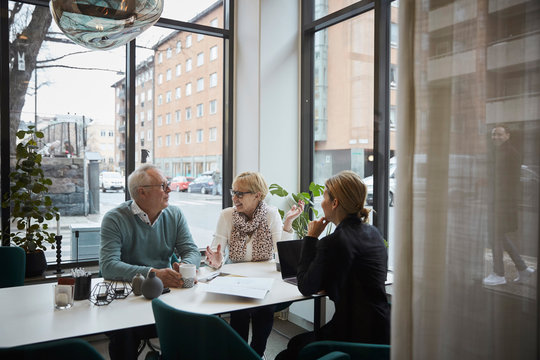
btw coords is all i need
(130, 110)
(4, 115)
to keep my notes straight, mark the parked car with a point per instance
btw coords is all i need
(202, 184)
(180, 183)
(391, 187)
(111, 180)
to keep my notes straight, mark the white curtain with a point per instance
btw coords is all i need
(465, 68)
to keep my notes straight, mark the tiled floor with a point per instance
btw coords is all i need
(281, 333)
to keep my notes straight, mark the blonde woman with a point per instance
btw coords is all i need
(349, 265)
(248, 231)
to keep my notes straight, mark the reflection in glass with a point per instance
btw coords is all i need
(104, 24)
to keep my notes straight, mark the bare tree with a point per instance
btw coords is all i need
(28, 29)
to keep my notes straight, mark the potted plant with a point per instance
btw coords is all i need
(30, 207)
(300, 224)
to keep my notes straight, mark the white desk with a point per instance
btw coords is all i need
(27, 314)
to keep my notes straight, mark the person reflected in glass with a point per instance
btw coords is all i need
(349, 266)
(248, 231)
(504, 191)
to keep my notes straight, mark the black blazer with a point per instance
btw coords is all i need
(350, 265)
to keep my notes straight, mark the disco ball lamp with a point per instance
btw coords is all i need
(104, 24)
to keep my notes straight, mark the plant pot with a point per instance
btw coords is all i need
(36, 264)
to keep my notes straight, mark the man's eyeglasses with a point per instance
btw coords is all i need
(164, 186)
(239, 194)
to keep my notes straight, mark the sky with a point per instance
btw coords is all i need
(89, 93)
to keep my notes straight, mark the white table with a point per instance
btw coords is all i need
(27, 314)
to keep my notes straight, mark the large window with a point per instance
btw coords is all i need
(68, 95)
(344, 68)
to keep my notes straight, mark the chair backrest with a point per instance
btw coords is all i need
(12, 266)
(194, 336)
(66, 349)
(357, 351)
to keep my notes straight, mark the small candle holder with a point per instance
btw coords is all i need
(121, 289)
(102, 294)
(58, 239)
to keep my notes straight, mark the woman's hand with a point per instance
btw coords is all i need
(316, 227)
(214, 258)
(292, 214)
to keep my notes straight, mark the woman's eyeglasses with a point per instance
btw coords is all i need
(164, 186)
(239, 194)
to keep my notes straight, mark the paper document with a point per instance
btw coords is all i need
(241, 286)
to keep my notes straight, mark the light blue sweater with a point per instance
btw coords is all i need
(129, 246)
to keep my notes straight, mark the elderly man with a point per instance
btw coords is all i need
(140, 236)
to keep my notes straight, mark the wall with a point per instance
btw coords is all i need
(67, 189)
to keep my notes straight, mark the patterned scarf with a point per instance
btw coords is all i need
(243, 229)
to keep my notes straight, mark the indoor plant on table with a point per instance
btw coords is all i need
(30, 207)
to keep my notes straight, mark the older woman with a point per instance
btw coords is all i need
(248, 232)
(349, 265)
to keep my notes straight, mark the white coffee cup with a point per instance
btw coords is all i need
(188, 272)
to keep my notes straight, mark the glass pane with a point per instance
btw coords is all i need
(343, 98)
(325, 7)
(187, 130)
(65, 91)
(192, 11)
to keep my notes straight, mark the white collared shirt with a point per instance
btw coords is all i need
(141, 214)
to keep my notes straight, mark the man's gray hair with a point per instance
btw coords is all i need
(138, 178)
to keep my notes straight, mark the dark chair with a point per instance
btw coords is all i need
(338, 350)
(197, 336)
(12, 266)
(60, 350)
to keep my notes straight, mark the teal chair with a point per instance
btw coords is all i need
(12, 266)
(344, 350)
(194, 336)
(59, 350)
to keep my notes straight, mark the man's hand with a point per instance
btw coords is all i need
(169, 277)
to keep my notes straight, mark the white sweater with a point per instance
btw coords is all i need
(224, 231)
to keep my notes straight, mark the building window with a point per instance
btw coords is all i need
(213, 53)
(168, 118)
(394, 35)
(178, 115)
(188, 65)
(149, 95)
(200, 37)
(178, 93)
(393, 76)
(136, 99)
(169, 97)
(160, 100)
(200, 84)
(213, 106)
(103, 133)
(213, 80)
(177, 138)
(169, 74)
(188, 137)
(159, 142)
(149, 115)
(188, 41)
(169, 53)
(200, 110)
(159, 120)
(178, 69)
(160, 57)
(142, 116)
(149, 135)
(214, 22)
(188, 113)
(168, 140)
(212, 134)
(160, 79)
(200, 135)
(188, 89)
(200, 59)
(178, 46)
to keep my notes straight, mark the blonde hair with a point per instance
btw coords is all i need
(253, 181)
(350, 191)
